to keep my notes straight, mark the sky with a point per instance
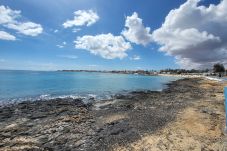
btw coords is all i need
(113, 34)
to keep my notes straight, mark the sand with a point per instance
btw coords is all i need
(188, 115)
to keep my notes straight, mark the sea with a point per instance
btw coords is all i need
(17, 86)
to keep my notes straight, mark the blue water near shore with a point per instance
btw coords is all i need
(30, 85)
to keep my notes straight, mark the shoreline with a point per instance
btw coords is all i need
(89, 97)
(86, 99)
(139, 121)
(215, 78)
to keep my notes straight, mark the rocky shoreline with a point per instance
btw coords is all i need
(137, 121)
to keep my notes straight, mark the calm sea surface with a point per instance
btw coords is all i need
(24, 85)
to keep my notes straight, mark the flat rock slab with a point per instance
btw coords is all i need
(127, 122)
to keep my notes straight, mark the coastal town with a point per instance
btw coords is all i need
(218, 70)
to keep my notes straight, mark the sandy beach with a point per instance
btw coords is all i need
(188, 115)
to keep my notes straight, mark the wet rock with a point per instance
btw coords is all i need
(70, 124)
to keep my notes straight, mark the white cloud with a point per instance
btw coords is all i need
(9, 19)
(68, 56)
(27, 28)
(75, 30)
(135, 31)
(62, 45)
(55, 31)
(135, 57)
(105, 45)
(6, 36)
(195, 35)
(82, 17)
(7, 15)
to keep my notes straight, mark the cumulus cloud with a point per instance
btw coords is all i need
(6, 36)
(135, 57)
(196, 35)
(107, 46)
(27, 28)
(135, 31)
(7, 15)
(82, 17)
(10, 19)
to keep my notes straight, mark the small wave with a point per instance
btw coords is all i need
(62, 97)
(45, 97)
(92, 95)
(86, 98)
(214, 79)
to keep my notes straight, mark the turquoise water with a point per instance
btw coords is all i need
(24, 85)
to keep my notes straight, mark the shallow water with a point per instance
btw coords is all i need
(24, 85)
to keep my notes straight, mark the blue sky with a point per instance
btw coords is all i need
(52, 46)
